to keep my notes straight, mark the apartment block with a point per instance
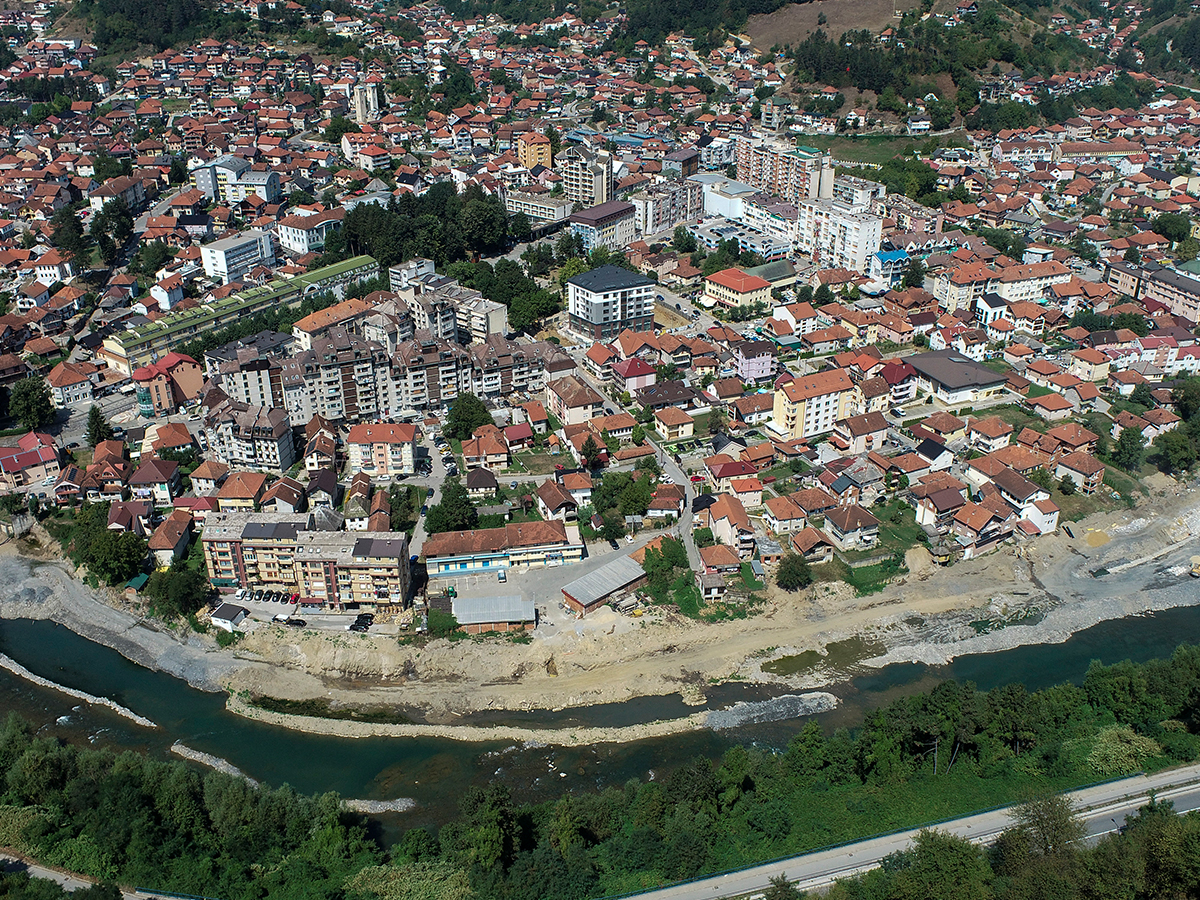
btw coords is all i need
(232, 258)
(608, 225)
(666, 204)
(250, 437)
(604, 302)
(791, 173)
(331, 569)
(810, 405)
(382, 449)
(587, 175)
(539, 208)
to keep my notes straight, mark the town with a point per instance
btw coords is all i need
(397, 332)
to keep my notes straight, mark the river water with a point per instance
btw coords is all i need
(434, 771)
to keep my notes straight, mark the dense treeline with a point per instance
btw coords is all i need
(921, 758)
(164, 825)
(925, 757)
(925, 49)
(1042, 858)
(439, 225)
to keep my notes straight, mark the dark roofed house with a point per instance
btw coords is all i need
(954, 378)
(481, 483)
(852, 528)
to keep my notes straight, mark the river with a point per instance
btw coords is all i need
(434, 771)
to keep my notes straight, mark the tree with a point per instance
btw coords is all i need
(1066, 485)
(1132, 255)
(179, 172)
(1186, 397)
(613, 528)
(519, 228)
(1049, 825)
(338, 126)
(914, 275)
(1041, 478)
(67, 234)
(1187, 249)
(1176, 449)
(454, 512)
(781, 888)
(484, 224)
(683, 240)
(29, 403)
(638, 435)
(717, 420)
(1129, 449)
(1143, 396)
(179, 590)
(1175, 227)
(97, 428)
(115, 556)
(793, 573)
(590, 451)
(467, 413)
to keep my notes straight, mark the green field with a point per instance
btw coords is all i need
(874, 149)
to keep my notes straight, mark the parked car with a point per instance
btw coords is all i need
(258, 595)
(295, 623)
(502, 576)
(429, 492)
(359, 628)
(425, 509)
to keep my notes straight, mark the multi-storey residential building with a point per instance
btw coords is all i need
(792, 173)
(330, 569)
(347, 314)
(250, 437)
(539, 208)
(478, 317)
(348, 377)
(516, 546)
(381, 449)
(534, 149)
(834, 235)
(429, 373)
(587, 175)
(1180, 293)
(254, 380)
(604, 302)
(608, 225)
(166, 384)
(665, 204)
(306, 230)
(810, 405)
(231, 179)
(232, 258)
(572, 401)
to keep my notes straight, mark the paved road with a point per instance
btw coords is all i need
(1104, 810)
(68, 880)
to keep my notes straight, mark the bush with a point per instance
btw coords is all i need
(228, 638)
(794, 573)
(441, 624)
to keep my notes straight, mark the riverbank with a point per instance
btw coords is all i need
(931, 614)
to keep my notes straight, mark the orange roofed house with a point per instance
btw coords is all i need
(734, 288)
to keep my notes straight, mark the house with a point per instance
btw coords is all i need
(852, 528)
(488, 451)
(171, 538)
(228, 617)
(782, 516)
(208, 476)
(979, 528)
(856, 435)
(673, 424)
(813, 545)
(383, 449)
(287, 495)
(1082, 468)
(156, 480)
(730, 525)
(720, 559)
(71, 383)
(555, 502)
(481, 484)
(1051, 407)
(989, 434)
(571, 401)
(242, 490)
(323, 489)
(748, 491)
(1088, 364)
(632, 374)
(937, 508)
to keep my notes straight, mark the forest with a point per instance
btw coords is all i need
(922, 758)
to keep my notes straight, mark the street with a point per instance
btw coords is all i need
(1104, 809)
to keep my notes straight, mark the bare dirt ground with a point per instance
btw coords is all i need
(926, 614)
(793, 23)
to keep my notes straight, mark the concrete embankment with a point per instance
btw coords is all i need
(19, 670)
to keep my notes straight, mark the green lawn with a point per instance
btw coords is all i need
(1018, 417)
(749, 580)
(1036, 390)
(998, 366)
(873, 149)
(538, 462)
